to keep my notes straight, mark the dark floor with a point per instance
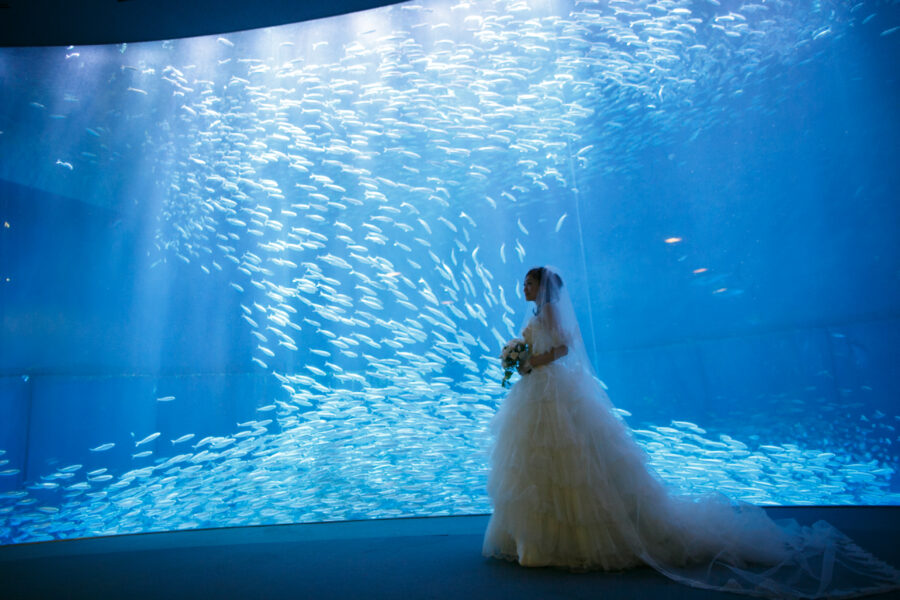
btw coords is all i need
(434, 558)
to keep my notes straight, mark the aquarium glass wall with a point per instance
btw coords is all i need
(264, 277)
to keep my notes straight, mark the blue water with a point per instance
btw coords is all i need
(264, 277)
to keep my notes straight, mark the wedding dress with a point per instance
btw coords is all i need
(571, 488)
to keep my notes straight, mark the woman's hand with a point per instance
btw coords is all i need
(525, 368)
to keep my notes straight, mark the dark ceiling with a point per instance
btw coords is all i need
(83, 22)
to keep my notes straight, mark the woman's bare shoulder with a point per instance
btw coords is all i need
(550, 311)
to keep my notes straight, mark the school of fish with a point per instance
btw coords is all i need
(362, 195)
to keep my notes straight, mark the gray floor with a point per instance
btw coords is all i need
(433, 558)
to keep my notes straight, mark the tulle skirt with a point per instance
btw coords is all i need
(572, 489)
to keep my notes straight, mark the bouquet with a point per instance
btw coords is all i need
(514, 354)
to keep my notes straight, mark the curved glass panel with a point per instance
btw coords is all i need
(264, 277)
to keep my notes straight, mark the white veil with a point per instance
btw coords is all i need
(554, 310)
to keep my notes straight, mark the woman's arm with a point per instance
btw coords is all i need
(539, 360)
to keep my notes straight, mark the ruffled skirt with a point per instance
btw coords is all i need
(571, 488)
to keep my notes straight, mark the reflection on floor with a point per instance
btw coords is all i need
(403, 558)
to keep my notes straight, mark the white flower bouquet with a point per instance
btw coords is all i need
(514, 354)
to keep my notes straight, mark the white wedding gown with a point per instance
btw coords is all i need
(571, 488)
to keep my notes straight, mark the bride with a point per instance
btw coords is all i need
(571, 488)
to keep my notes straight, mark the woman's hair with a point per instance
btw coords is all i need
(549, 281)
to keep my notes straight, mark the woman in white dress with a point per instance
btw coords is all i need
(571, 488)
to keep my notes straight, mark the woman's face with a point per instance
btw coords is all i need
(530, 288)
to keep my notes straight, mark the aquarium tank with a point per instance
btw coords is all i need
(264, 277)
